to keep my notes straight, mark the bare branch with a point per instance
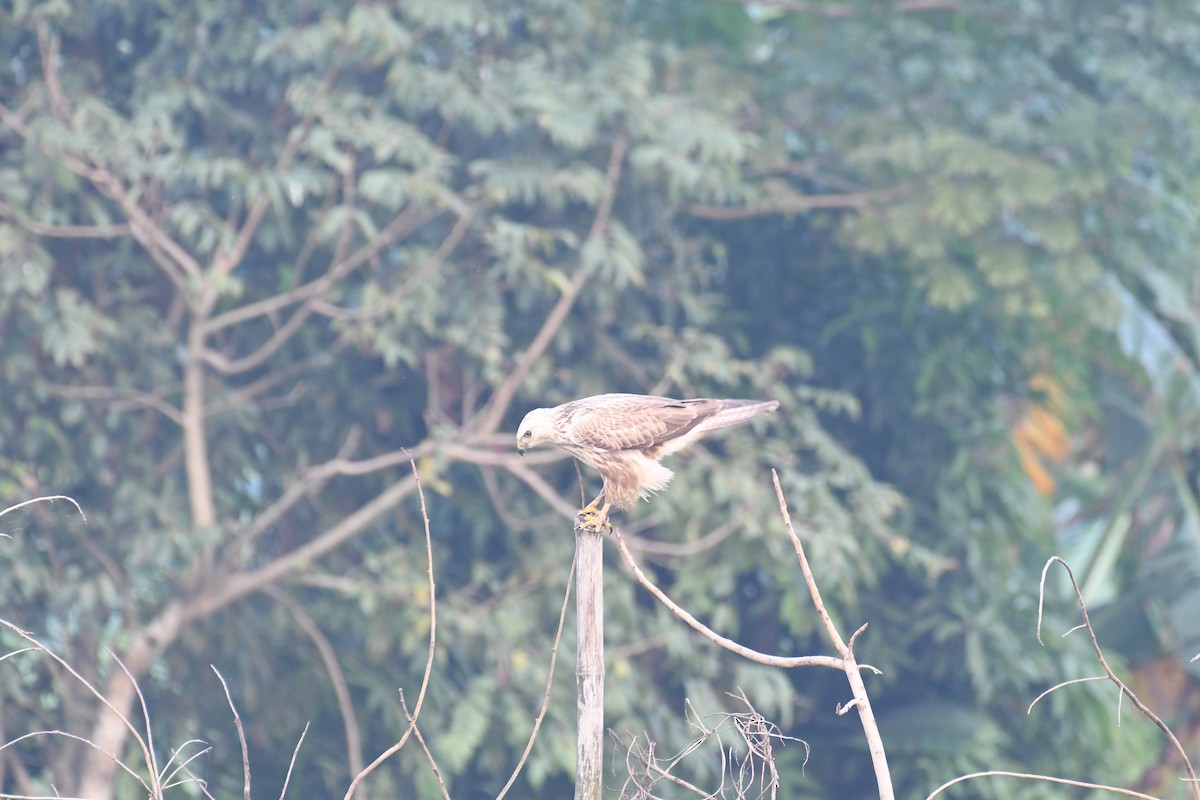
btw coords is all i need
(412, 719)
(709, 633)
(1192, 782)
(452, 240)
(403, 224)
(229, 260)
(110, 231)
(537, 721)
(120, 399)
(1046, 778)
(152, 757)
(1058, 686)
(237, 722)
(489, 418)
(862, 701)
(706, 542)
(147, 756)
(292, 764)
(830, 629)
(282, 335)
(416, 729)
(167, 780)
(243, 583)
(48, 499)
(337, 678)
(854, 201)
(49, 45)
(77, 738)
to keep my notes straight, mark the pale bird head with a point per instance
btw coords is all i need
(537, 427)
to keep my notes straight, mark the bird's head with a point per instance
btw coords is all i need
(537, 427)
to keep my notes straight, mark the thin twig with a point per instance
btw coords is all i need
(287, 778)
(49, 499)
(152, 761)
(237, 722)
(167, 779)
(416, 729)
(75, 737)
(709, 633)
(1046, 778)
(388, 753)
(1125, 691)
(850, 665)
(489, 418)
(18, 652)
(337, 678)
(146, 755)
(537, 722)
(1058, 686)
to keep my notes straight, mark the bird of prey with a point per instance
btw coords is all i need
(623, 436)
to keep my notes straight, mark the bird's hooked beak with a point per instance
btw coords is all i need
(521, 448)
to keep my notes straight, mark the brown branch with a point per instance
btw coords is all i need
(244, 583)
(153, 787)
(110, 731)
(850, 666)
(403, 224)
(518, 466)
(537, 721)
(709, 633)
(287, 778)
(852, 201)
(49, 51)
(416, 729)
(412, 718)
(282, 335)
(197, 467)
(317, 304)
(107, 231)
(706, 542)
(152, 237)
(496, 458)
(229, 261)
(337, 678)
(489, 418)
(121, 399)
(451, 241)
(1193, 783)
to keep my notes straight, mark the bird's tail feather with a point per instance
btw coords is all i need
(735, 412)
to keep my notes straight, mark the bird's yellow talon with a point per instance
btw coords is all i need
(593, 517)
(591, 522)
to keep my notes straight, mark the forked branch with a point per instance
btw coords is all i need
(1125, 691)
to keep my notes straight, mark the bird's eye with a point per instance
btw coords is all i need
(528, 434)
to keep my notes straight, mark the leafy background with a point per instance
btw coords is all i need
(248, 252)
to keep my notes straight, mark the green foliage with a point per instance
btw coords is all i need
(349, 222)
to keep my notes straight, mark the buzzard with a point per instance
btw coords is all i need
(623, 436)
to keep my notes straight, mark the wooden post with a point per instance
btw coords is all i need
(589, 670)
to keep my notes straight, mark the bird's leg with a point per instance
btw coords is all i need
(594, 517)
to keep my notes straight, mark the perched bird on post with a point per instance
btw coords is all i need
(623, 436)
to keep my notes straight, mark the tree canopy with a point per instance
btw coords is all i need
(256, 257)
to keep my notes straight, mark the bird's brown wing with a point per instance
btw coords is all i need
(632, 421)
